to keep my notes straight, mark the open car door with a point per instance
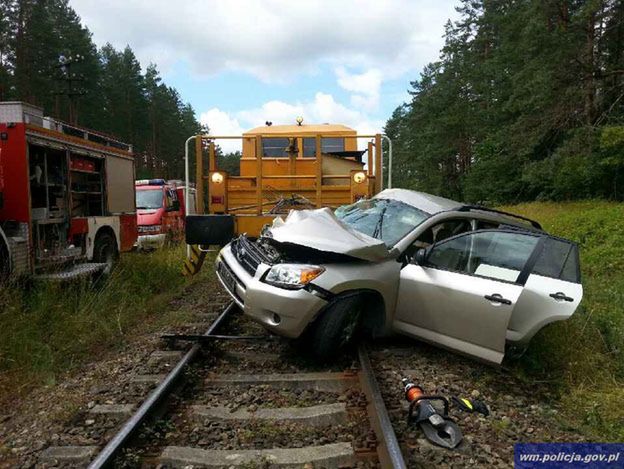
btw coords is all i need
(465, 290)
(552, 292)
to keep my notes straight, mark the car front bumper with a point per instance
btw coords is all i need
(151, 241)
(285, 312)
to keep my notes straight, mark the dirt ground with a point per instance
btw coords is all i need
(519, 412)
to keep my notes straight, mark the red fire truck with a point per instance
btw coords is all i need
(161, 211)
(66, 196)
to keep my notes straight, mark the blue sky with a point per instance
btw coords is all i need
(242, 62)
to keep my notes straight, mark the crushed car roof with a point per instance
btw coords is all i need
(422, 201)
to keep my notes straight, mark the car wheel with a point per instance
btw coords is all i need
(335, 328)
(105, 252)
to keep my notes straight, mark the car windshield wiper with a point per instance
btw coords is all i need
(378, 231)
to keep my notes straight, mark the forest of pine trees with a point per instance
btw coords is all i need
(107, 92)
(526, 102)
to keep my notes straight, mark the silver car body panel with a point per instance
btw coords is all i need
(321, 230)
(536, 308)
(449, 309)
(260, 301)
(426, 202)
(382, 277)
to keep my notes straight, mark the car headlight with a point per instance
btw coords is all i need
(292, 275)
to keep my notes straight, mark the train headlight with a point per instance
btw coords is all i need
(217, 178)
(359, 177)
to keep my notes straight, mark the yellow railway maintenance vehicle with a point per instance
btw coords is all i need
(282, 167)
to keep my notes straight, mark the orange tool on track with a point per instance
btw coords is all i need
(437, 426)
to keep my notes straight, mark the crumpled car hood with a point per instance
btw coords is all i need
(320, 229)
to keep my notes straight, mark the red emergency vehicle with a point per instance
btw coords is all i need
(66, 196)
(160, 212)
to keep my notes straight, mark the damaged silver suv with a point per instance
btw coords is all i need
(466, 278)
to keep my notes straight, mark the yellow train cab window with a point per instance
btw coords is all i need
(328, 145)
(332, 144)
(275, 147)
(309, 147)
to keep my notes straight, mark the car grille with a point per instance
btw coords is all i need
(248, 254)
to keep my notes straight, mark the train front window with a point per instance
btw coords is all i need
(332, 144)
(277, 147)
(328, 145)
(309, 147)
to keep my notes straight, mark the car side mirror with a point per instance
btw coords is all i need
(420, 257)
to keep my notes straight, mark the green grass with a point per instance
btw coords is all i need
(583, 358)
(47, 329)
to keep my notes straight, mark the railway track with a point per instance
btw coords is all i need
(252, 402)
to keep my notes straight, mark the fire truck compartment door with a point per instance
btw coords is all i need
(120, 184)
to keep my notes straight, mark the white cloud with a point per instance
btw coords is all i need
(322, 109)
(365, 86)
(273, 39)
(221, 123)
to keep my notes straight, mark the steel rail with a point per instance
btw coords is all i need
(107, 456)
(388, 449)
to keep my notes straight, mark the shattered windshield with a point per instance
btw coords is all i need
(385, 219)
(149, 199)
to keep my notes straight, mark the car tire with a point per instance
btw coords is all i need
(105, 251)
(335, 328)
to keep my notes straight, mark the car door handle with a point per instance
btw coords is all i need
(560, 296)
(496, 298)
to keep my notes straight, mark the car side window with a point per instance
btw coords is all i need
(442, 231)
(558, 259)
(498, 255)
(170, 197)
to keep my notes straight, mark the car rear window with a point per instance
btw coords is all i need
(558, 259)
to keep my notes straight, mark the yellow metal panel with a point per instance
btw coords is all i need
(199, 175)
(358, 190)
(319, 171)
(212, 157)
(252, 225)
(302, 130)
(378, 168)
(259, 174)
(217, 194)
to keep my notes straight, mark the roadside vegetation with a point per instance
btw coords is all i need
(525, 95)
(583, 359)
(47, 329)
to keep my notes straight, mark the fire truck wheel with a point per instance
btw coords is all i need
(335, 328)
(105, 251)
(4, 261)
